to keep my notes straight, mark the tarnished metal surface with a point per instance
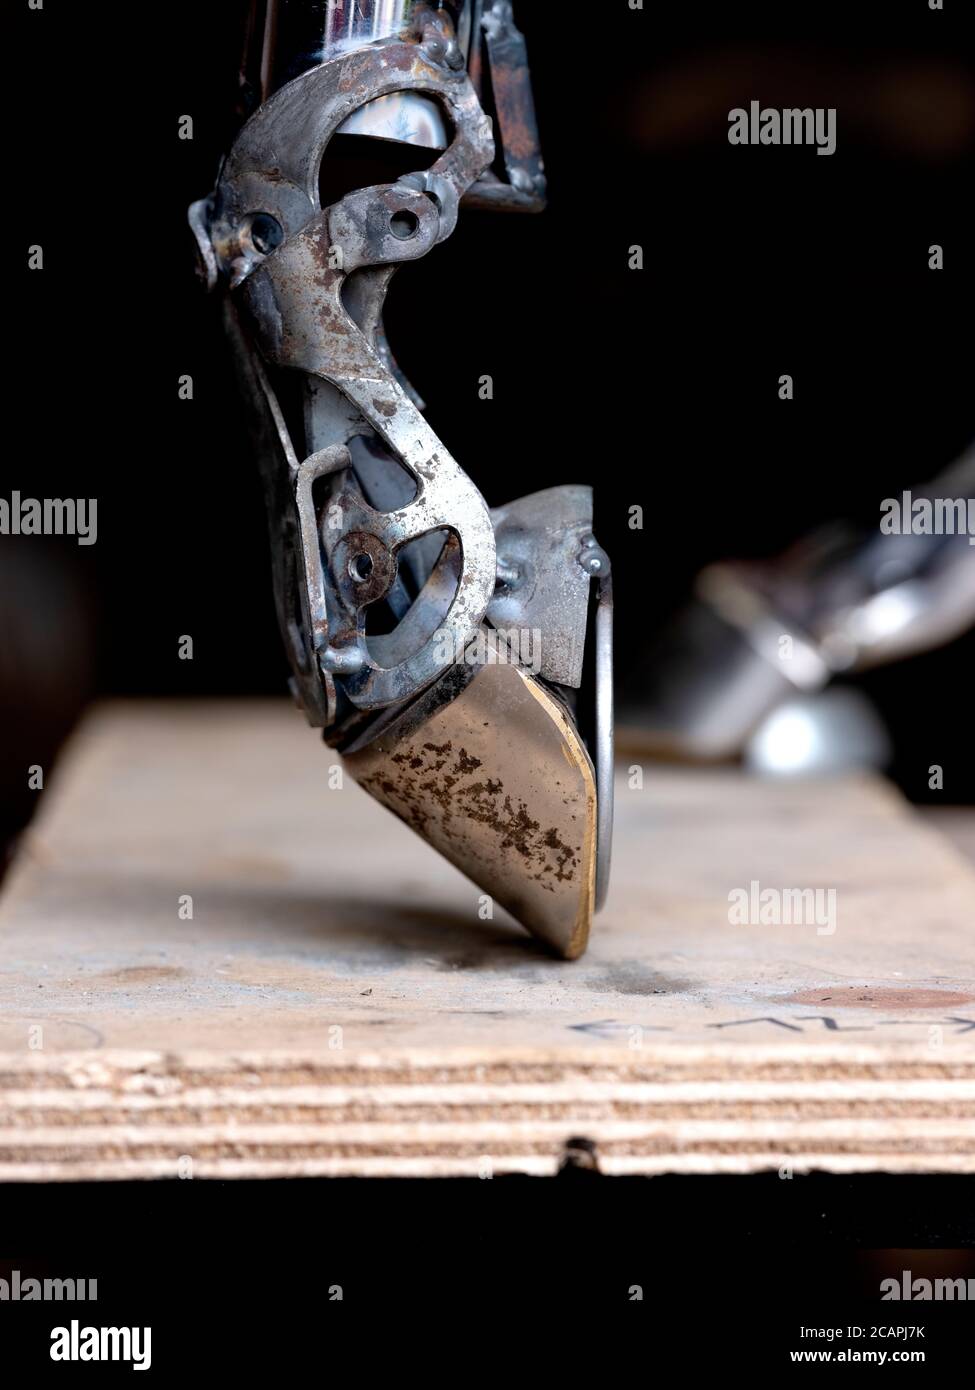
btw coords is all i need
(495, 776)
(517, 127)
(297, 291)
(294, 296)
(547, 560)
(544, 587)
(274, 165)
(440, 647)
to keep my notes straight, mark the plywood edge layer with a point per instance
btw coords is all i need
(148, 1115)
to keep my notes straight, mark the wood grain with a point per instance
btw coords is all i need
(336, 1006)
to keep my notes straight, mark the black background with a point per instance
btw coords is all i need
(531, 1273)
(658, 386)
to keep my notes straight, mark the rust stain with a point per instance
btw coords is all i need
(426, 790)
(516, 111)
(881, 997)
(143, 974)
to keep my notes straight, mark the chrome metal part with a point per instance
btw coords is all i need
(605, 765)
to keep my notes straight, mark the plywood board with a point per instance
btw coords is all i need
(336, 1004)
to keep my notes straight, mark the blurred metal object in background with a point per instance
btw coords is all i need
(762, 638)
(460, 660)
(817, 735)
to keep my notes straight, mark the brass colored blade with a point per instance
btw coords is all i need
(498, 780)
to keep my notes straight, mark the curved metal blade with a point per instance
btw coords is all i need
(488, 767)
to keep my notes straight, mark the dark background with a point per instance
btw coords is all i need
(660, 387)
(531, 1273)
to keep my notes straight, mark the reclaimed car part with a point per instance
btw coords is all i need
(459, 659)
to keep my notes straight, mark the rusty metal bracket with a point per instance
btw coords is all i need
(289, 262)
(511, 88)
